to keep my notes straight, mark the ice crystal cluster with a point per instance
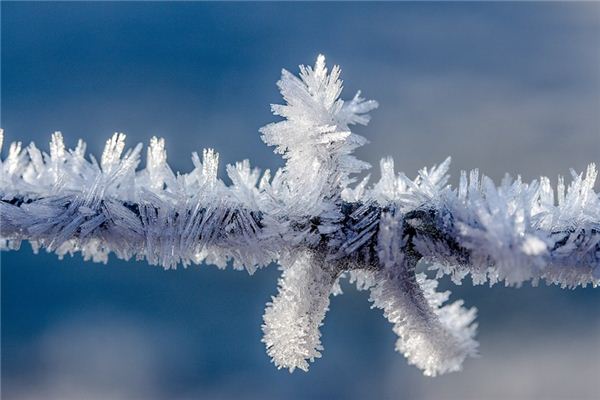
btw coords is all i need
(313, 219)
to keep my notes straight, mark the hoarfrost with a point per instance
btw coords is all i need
(314, 220)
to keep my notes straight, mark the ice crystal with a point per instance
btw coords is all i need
(292, 319)
(314, 220)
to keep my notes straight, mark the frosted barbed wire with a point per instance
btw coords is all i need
(309, 219)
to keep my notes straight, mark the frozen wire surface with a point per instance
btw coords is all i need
(314, 220)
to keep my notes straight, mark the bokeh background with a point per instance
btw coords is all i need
(511, 87)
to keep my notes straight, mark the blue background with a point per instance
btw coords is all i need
(511, 87)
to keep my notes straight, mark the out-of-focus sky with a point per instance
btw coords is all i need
(504, 87)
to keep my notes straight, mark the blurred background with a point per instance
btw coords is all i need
(511, 87)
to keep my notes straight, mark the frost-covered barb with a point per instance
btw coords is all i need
(314, 220)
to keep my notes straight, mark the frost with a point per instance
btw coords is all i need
(292, 319)
(314, 220)
(433, 336)
(314, 138)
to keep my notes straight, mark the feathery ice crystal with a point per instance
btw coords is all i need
(314, 221)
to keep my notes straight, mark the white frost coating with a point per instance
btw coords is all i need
(513, 233)
(308, 218)
(315, 139)
(433, 336)
(292, 319)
